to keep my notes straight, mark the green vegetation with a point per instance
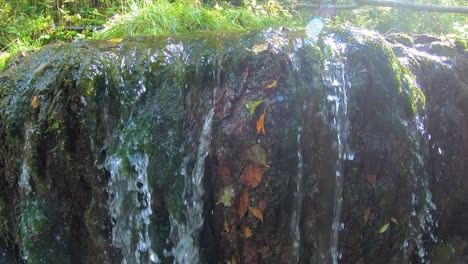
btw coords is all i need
(29, 24)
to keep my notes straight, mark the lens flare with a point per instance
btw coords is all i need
(314, 27)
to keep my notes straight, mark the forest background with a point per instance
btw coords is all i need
(26, 25)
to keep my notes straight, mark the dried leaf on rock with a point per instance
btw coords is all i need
(252, 175)
(226, 227)
(384, 228)
(372, 179)
(367, 213)
(243, 204)
(115, 40)
(257, 213)
(233, 260)
(247, 232)
(393, 219)
(35, 102)
(259, 47)
(272, 84)
(261, 125)
(245, 74)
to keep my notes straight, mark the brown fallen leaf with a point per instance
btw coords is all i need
(35, 102)
(252, 175)
(393, 219)
(245, 74)
(226, 227)
(257, 213)
(272, 84)
(372, 179)
(367, 213)
(243, 204)
(247, 232)
(233, 260)
(261, 125)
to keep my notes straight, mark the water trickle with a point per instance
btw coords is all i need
(25, 176)
(297, 204)
(130, 208)
(336, 85)
(421, 224)
(186, 235)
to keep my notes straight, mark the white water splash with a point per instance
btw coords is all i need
(186, 235)
(130, 208)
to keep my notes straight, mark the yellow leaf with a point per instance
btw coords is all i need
(35, 102)
(393, 219)
(384, 228)
(261, 125)
(115, 40)
(272, 84)
(252, 175)
(257, 213)
(247, 232)
(367, 213)
(243, 204)
(233, 260)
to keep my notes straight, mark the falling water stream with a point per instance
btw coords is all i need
(186, 249)
(130, 209)
(297, 206)
(336, 91)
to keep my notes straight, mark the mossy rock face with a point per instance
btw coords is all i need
(101, 145)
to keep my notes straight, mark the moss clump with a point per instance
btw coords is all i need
(461, 43)
(4, 58)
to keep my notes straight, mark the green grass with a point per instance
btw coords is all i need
(162, 17)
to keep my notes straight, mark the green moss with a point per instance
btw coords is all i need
(33, 225)
(4, 58)
(461, 43)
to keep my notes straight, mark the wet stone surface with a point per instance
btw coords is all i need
(258, 147)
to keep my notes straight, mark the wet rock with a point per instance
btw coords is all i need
(352, 149)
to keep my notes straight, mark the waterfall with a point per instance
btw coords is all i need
(186, 235)
(336, 85)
